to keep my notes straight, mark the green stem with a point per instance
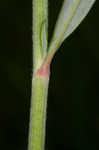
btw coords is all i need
(38, 111)
(40, 77)
(40, 23)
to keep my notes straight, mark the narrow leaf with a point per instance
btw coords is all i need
(81, 12)
(71, 15)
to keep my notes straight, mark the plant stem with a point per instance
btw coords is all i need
(40, 78)
(38, 110)
(40, 23)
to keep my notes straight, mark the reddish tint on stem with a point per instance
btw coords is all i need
(44, 70)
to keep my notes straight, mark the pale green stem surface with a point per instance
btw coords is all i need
(39, 81)
(38, 112)
(40, 23)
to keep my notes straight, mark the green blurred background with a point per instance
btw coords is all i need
(73, 101)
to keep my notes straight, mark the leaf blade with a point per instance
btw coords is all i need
(80, 14)
(71, 15)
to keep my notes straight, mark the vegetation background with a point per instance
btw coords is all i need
(73, 101)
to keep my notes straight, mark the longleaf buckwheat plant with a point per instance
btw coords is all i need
(71, 15)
